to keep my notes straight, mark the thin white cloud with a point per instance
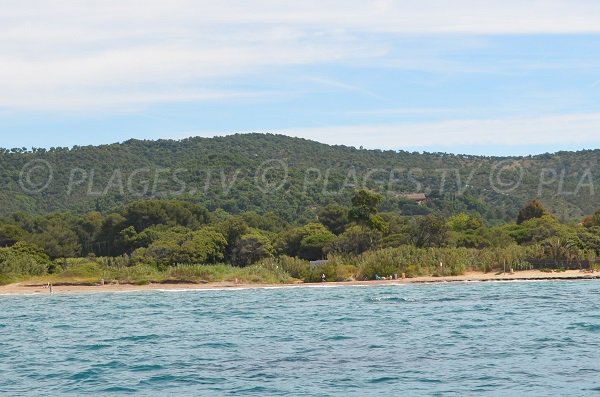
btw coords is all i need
(121, 101)
(55, 54)
(577, 128)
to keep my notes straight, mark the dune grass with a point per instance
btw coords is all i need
(84, 272)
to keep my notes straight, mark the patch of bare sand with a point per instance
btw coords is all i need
(25, 288)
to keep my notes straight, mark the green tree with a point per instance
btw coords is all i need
(430, 231)
(23, 259)
(251, 248)
(108, 241)
(559, 250)
(181, 246)
(364, 210)
(592, 220)
(10, 234)
(143, 214)
(536, 230)
(306, 242)
(269, 221)
(466, 230)
(233, 228)
(59, 241)
(355, 240)
(334, 217)
(534, 209)
(312, 246)
(205, 245)
(464, 222)
(87, 230)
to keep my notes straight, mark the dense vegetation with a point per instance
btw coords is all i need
(293, 178)
(164, 240)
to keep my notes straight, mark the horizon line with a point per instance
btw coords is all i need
(424, 150)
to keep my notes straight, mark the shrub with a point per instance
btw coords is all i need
(23, 259)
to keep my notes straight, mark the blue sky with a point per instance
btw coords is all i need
(504, 77)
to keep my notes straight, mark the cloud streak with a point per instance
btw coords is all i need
(564, 129)
(68, 54)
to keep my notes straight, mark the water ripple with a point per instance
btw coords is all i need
(433, 339)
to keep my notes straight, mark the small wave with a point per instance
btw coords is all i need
(429, 380)
(595, 328)
(95, 346)
(137, 338)
(384, 379)
(86, 374)
(446, 299)
(119, 389)
(262, 376)
(111, 365)
(146, 368)
(339, 337)
(63, 326)
(390, 299)
(217, 345)
(158, 379)
(255, 389)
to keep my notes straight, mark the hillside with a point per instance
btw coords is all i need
(292, 177)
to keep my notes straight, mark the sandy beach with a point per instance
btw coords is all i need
(28, 288)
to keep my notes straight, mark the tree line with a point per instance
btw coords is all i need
(168, 233)
(220, 173)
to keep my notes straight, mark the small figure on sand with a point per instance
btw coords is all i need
(323, 278)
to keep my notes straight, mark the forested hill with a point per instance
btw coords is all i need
(293, 177)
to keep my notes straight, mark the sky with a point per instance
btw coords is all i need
(467, 76)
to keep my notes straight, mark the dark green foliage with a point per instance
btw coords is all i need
(251, 248)
(10, 234)
(225, 173)
(534, 209)
(56, 235)
(233, 228)
(143, 214)
(364, 210)
(536, 230)
(312, 245)
(230, 213)
(23, 259)
(269, 222)
(466, 230)
(171, 239)
(355, 240)
(180, 245)
(306, 242)
(430, 231)
(334, 217)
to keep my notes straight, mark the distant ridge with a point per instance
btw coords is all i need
(293, 177)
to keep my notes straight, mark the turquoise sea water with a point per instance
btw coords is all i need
(458, 339)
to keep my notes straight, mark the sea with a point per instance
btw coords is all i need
(537, 338)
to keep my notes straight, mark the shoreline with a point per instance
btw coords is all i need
(25, 288)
